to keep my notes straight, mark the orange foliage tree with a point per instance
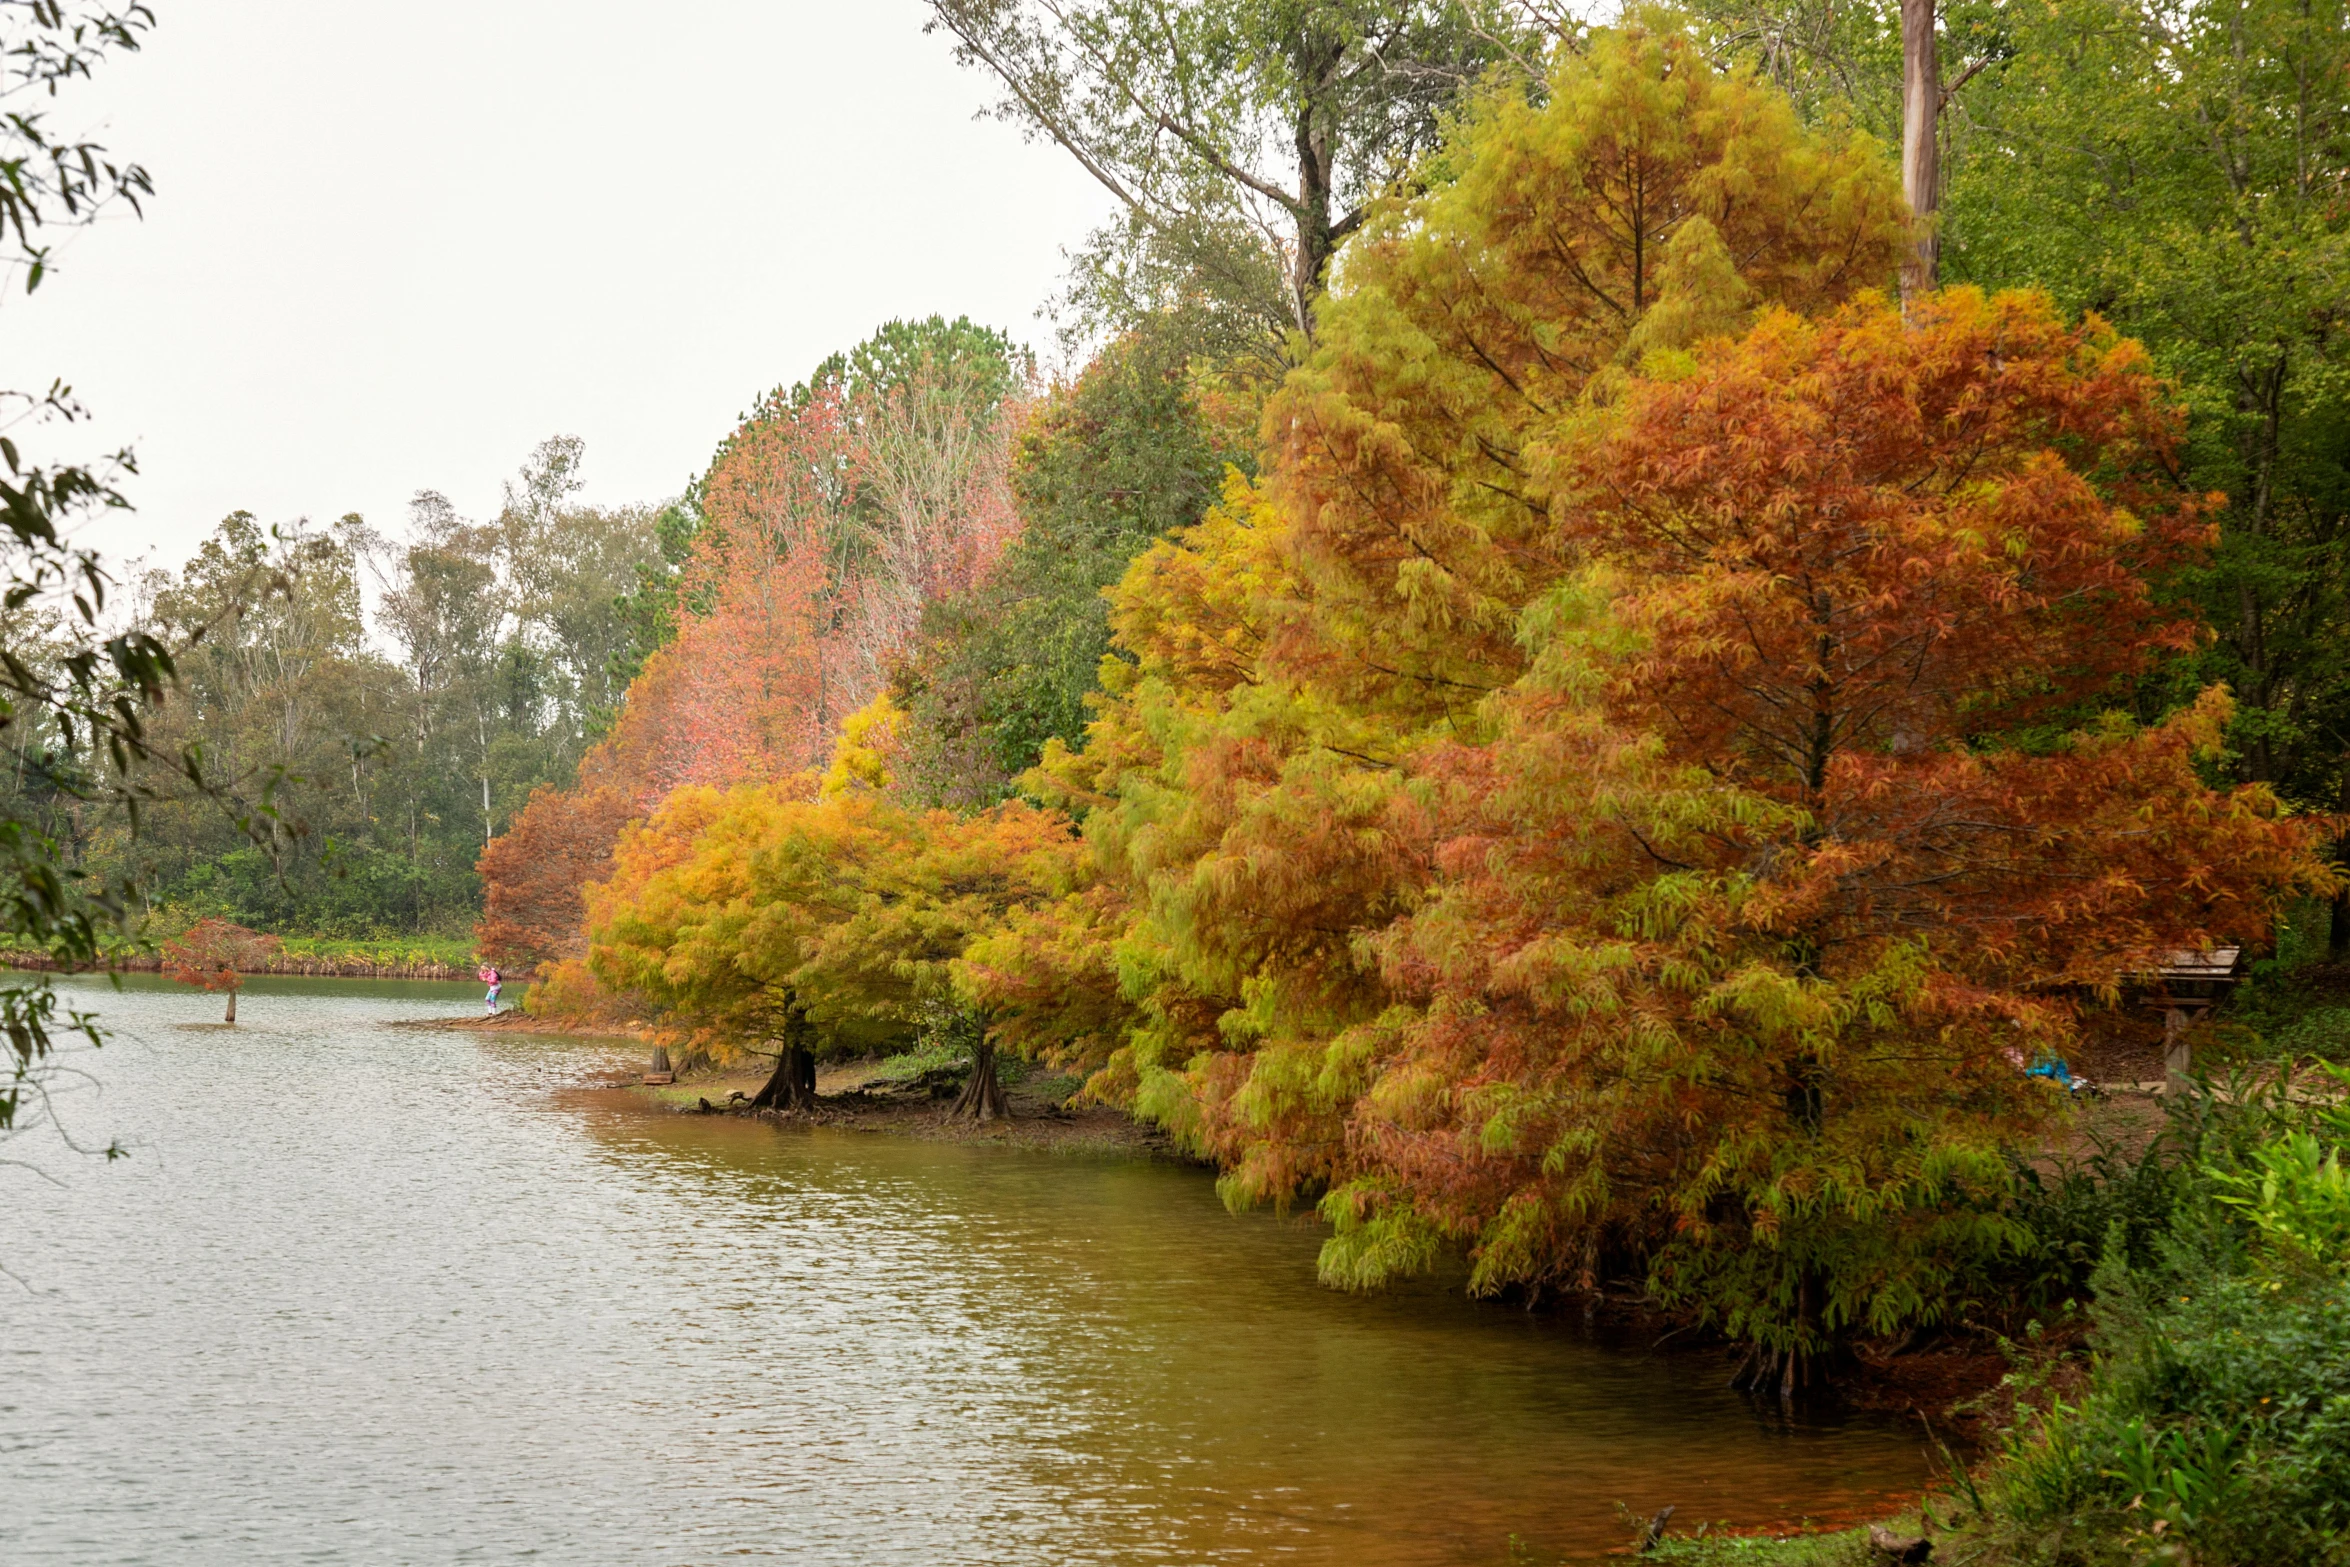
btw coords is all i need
(1806, 831)
(1249, 787)
(216, 955)
(533, 873)
(748, 692)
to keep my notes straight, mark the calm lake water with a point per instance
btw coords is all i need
(372, 1294)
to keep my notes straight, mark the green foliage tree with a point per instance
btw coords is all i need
(2178, 169)
(572, 570)
(1245, 141)
(396, 755)
(1110, 463)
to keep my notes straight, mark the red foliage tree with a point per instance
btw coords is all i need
(533, 872)
(827, 527)
(216, 955)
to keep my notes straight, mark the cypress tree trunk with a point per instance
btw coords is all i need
(232, 1004)
(793, 1084)
(982, 1098)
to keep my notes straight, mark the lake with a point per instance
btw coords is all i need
(365, 1293)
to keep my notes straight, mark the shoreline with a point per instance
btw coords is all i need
(852, 1097)
(513, 1020)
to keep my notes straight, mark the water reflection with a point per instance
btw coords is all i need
(371, 1293)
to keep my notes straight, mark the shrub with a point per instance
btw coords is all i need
(2216, 1424)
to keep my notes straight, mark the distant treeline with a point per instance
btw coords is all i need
(374, 755)
(349, 965)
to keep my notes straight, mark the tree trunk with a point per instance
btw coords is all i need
(232, 1006)
(2338, 921)
(792, 1086)
(1921, 157)
(1317, 60)
(982, 1098)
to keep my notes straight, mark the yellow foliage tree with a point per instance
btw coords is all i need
(822, 924)
(1247, 791)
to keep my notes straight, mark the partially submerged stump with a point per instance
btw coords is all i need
(792, 1086)
(1654, 1534)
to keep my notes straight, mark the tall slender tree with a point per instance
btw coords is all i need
(1921, 146)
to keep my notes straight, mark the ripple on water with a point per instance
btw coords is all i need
(374, 1294)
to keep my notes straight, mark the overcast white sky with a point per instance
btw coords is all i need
(393, 246)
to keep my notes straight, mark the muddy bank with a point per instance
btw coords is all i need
(513, 1020)
(854, 1097)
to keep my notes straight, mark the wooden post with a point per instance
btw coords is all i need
(2177, 1054)
(2188, 984)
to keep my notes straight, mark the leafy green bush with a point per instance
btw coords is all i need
(2073, 1212)
(2322, 1032)
(2295, 1004)
(2216, 1424)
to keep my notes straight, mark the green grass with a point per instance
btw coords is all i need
(927, 1056)
(1846, 1548)
(455, 951)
